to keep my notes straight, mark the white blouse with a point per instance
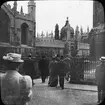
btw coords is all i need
(15, 88)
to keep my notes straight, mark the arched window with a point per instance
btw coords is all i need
(24, 33)
(4, 27)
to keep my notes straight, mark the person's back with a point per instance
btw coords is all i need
(15, 88)
(12, 85)
(43, 67)
(53, 67)
(61, 67)
(61, 72)
(100, 75)
(53, 79)
(42, 64)
(28, 64)
(28, 68)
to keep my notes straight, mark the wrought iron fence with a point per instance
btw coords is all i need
(88, 70)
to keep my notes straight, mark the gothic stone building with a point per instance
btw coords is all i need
(49, 46)
(17, 30)
(97, 34)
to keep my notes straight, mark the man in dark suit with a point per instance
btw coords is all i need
(61, 72)
(100, 79)
(43, 67)
(28, 67)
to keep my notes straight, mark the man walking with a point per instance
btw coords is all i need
(29, 68)
(43, 67)
(100, 78)
(61, 72)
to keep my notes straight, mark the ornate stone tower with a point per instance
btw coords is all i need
(19, 30)
(32, 9)
(32, 12)
(97, 34)
(67, 34)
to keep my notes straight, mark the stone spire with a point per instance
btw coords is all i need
(42, 34)
(67, 22)
(21, 11)
(81, 30)
(77, 32)
(88, 29)
(32, 9)
(15, 6)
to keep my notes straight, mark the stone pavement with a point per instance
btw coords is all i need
(74, 86)
(72, 94)
(81, 87)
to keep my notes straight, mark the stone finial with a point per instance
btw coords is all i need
(67, 22)
(21, 11)
(81, 30)
(15, 5)
(88, 29)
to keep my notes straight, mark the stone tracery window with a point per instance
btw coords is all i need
(24, 33)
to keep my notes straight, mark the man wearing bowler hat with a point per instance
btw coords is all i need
(100, 79)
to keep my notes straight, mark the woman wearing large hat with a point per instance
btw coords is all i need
(15, 88)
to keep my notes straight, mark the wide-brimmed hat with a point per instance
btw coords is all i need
(13, 57)
(102, 58)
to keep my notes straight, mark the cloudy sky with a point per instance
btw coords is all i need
(48, 13)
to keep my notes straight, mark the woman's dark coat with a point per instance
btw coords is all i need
(53, 80)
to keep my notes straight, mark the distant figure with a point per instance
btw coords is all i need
(100, 79)
(43, 67)
(61, 72)
(28, 68)
(16, 89)
(53, 79)
(67, 61)
(47, 66)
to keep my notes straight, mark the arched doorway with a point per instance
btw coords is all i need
(24, 33)
(4, 27)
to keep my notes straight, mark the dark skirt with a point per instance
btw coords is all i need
(53, 81)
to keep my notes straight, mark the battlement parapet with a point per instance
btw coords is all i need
(24, 16)
(8, 6)
(49, 41)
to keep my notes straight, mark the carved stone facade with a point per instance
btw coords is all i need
(97, 34)
(18, 29)
(49, 46)
(67, 35)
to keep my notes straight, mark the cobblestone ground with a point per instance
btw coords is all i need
(44, 95)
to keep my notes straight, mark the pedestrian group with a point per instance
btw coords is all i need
(17, 81)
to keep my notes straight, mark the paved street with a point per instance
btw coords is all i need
(71, 95)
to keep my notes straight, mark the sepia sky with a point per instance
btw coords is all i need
(50, 12)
